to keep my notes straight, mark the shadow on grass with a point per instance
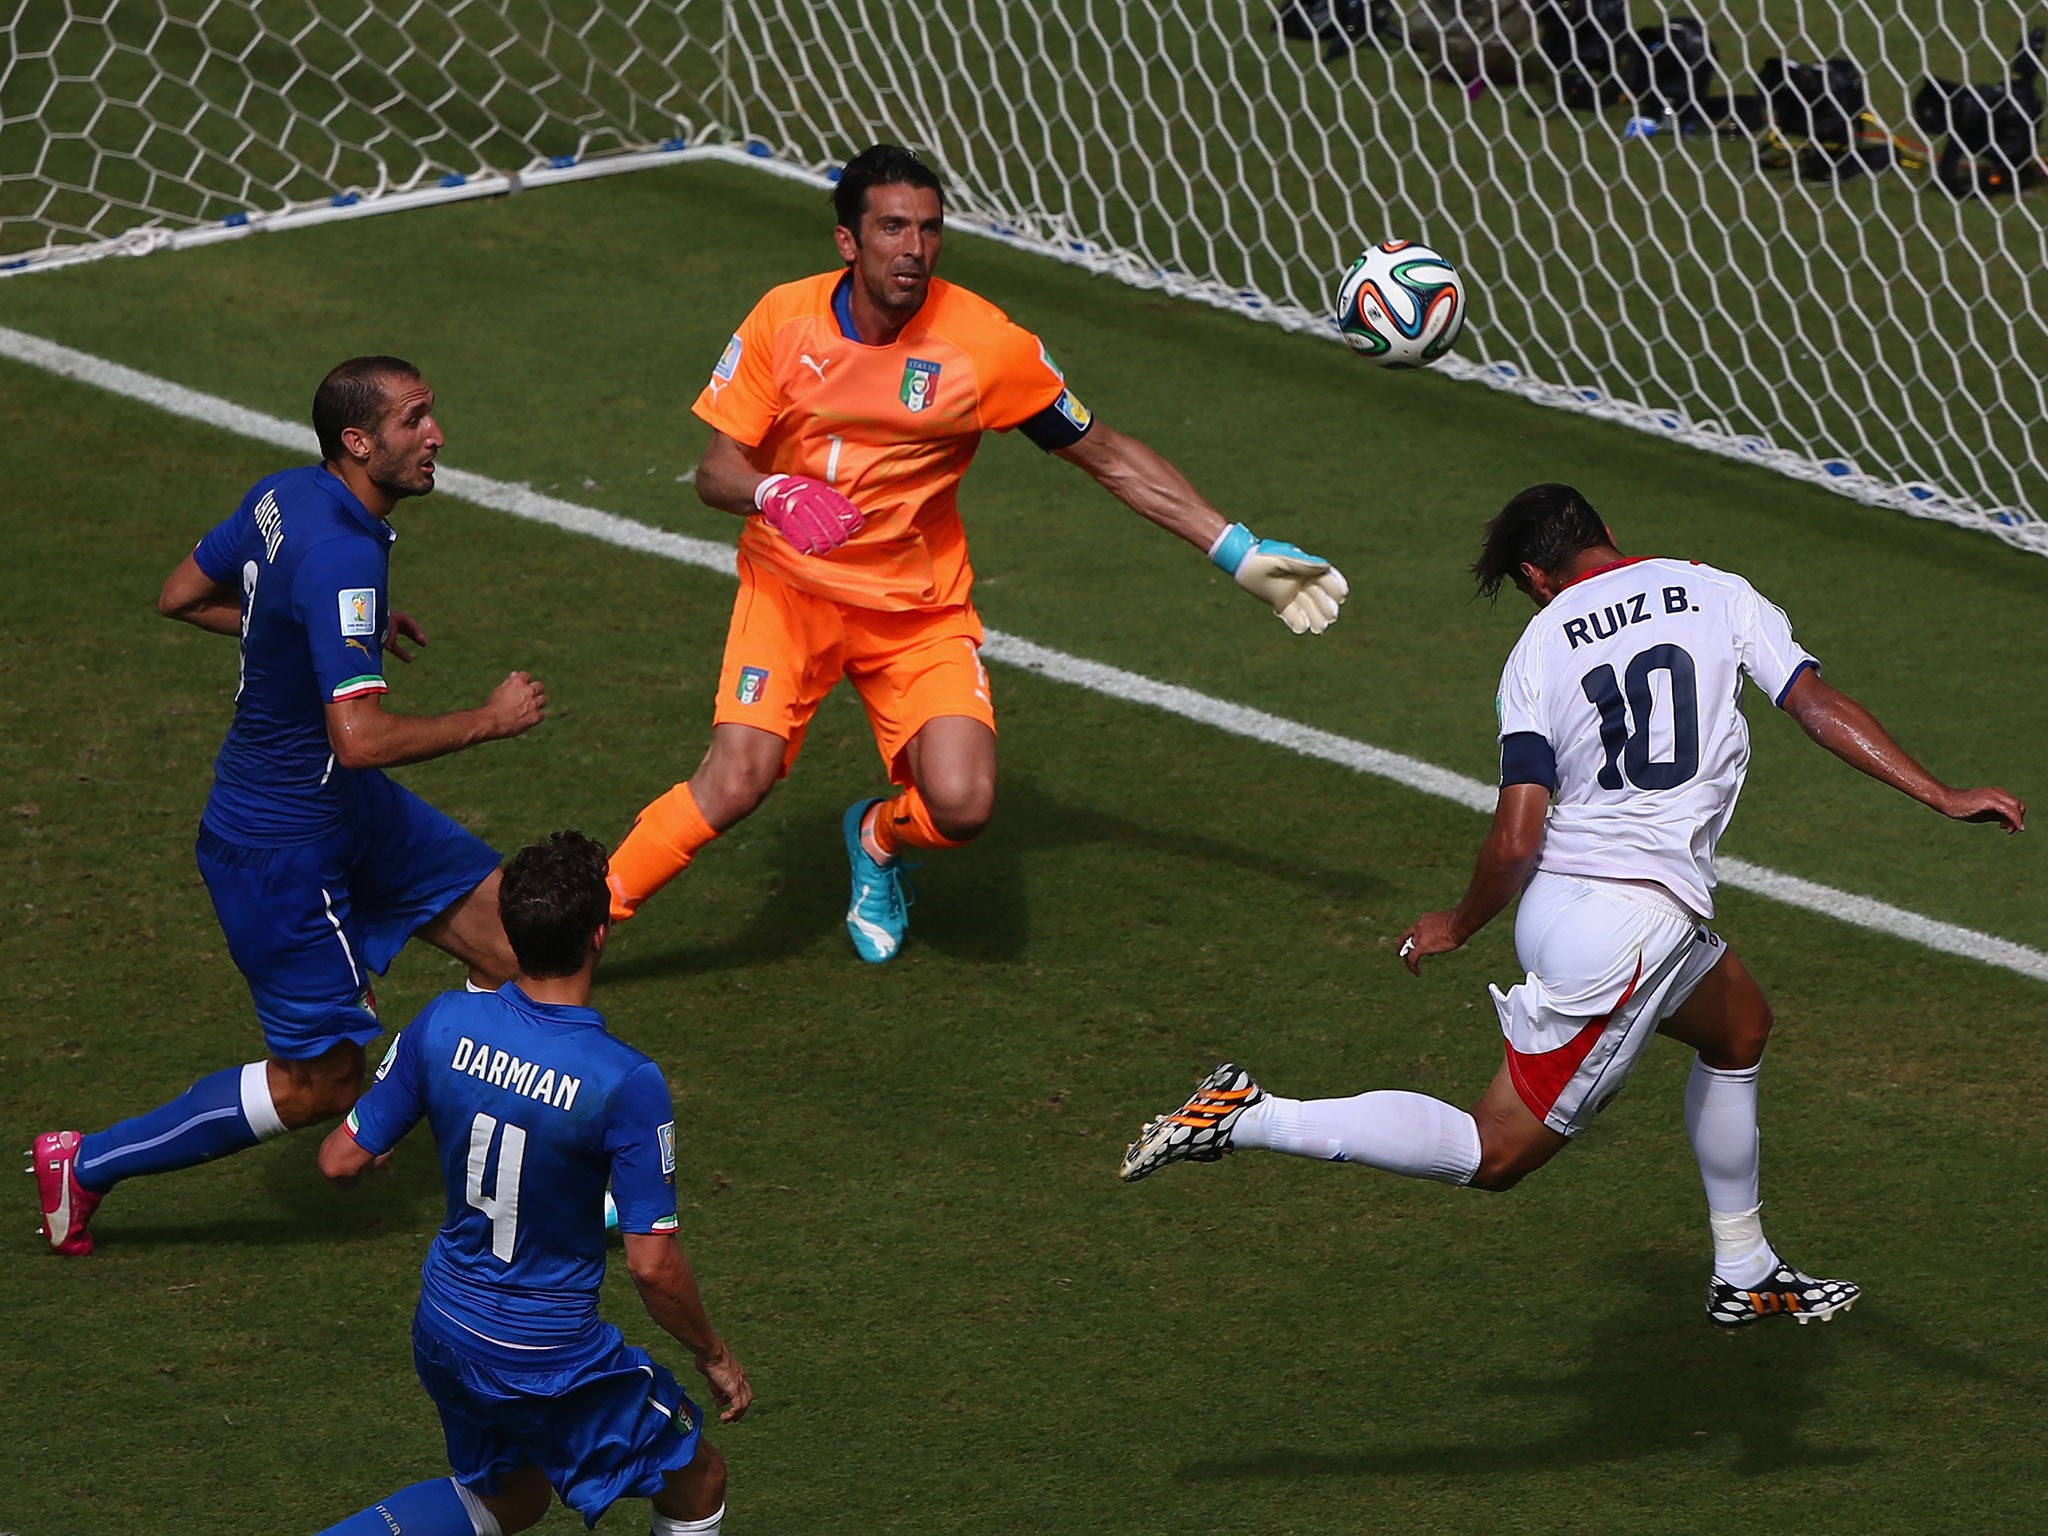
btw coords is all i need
(296, 1230)
(1653, 1379)
(299, 1206)
(974, 903)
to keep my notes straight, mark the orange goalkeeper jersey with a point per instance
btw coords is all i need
(892, 428)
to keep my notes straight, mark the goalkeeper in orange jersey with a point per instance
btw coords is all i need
(844, 412)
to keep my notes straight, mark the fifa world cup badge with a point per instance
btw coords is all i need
(358, 610)
(920, 378)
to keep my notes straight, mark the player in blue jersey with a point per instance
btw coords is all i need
(534, 1106)
(320, 868)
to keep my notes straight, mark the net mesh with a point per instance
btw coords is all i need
(1779, 261)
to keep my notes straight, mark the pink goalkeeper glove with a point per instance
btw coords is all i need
(808, 513)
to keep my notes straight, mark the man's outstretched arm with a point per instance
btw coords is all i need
(1854, 735)
(1505, 859)
(1147, 482)
(1302, 589)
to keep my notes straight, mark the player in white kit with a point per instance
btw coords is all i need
(1622, 752)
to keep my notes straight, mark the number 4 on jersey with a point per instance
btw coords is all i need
(502, 1204)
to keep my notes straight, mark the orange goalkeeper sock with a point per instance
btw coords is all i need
(905, 822)
(665, 837)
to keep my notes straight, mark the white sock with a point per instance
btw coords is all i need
(1405, 1133)
(258, 1108)
(481, 1519)
(663, 1526)
(1720, 1117)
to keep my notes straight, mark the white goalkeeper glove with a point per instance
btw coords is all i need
(1304, 591)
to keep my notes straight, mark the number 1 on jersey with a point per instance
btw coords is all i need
(502, 1203)
(832, 458)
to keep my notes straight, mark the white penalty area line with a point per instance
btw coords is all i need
(1112, 682)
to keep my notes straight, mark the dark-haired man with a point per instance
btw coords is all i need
(535, 1107)
(1623, 748)
(844, 412)
(319, 866)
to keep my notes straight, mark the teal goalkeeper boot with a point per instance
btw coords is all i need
(877, 916)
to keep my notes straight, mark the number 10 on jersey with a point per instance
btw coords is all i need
(1632, 696)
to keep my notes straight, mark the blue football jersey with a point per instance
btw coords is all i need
(312, 564)
(534, 1106)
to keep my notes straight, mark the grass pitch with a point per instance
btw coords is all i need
(898, 1184)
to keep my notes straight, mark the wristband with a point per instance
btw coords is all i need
(1231, 547)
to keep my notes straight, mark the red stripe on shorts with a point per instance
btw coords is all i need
(1541, 1077)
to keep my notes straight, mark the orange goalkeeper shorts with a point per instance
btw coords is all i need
(787, 648)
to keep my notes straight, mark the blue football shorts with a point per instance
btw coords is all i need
(612, 1429)
(307, 924)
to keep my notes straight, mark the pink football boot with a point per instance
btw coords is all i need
(67, 1204)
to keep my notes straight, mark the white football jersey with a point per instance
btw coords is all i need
(1629, 684)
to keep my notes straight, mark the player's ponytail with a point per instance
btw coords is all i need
(1543, 526)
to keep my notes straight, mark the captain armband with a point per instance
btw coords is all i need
(1526, 758)
(1060, 425)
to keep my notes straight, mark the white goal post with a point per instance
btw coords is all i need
(1805, 236)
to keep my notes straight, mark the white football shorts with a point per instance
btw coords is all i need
(1608, 960)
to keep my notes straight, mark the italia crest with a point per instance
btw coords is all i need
(920, 380)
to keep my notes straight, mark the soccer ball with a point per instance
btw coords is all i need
(1401, 305)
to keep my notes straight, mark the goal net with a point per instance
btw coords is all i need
(1805, 236)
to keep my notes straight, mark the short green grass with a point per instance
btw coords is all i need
(898, 1184)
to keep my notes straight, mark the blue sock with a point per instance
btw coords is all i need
(204, 1122)
(424, 1509)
